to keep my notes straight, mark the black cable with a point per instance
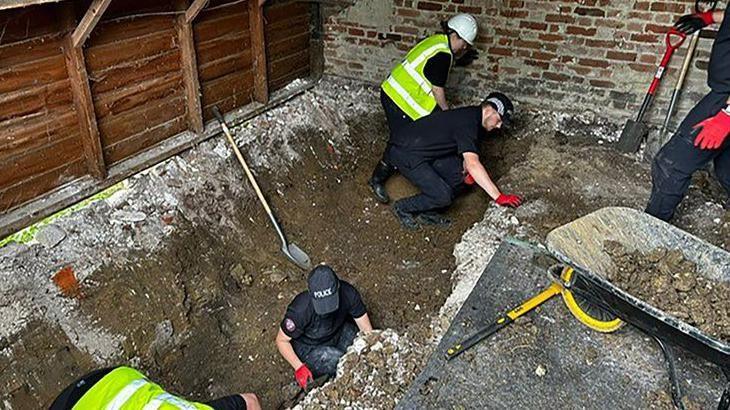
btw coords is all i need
(674, 386)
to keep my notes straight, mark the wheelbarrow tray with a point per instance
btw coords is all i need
(580, 244)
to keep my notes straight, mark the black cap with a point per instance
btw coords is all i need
(324, 288)
(503, 105)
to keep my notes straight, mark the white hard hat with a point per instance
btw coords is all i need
(465, 25)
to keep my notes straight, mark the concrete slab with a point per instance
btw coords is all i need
(548, 359)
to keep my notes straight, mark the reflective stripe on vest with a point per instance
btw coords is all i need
(125, 394)
(167, 398)
(407, 85)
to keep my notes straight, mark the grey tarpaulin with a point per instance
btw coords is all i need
(580, 368)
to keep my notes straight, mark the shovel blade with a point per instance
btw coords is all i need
(296, 255)
(633, 133)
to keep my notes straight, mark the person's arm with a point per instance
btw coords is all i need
(363, 323)
(440, 94)
(479, 174)
(477, 171)
(283, 344)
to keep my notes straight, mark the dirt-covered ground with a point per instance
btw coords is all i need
(182, 275)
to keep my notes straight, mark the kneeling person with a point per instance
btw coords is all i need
(436, 152)
(318, 326)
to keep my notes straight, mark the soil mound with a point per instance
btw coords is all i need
(667, 280)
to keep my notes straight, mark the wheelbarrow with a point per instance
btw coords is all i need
(580, 244)
(580, 276)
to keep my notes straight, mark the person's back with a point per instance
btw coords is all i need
(125, 388)
(441, 134)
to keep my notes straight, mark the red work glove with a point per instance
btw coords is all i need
(469, 180)
(509, 200)
(714, 131)
(303, 376)
(692, 22)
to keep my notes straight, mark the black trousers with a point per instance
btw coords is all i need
(393, 114)
(440, 180)
(678, 159)
(73, 393)
(322, 359)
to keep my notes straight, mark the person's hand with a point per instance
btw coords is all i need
(303, 376)
(469, 180)
(714, 131)
(690, 23)
(509, 200)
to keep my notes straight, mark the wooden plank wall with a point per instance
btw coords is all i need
(40, 146)
(223, 47)
(135, 77)
(288, 36)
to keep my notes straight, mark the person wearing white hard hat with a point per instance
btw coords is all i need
(415, 87)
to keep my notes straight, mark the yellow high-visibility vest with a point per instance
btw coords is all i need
(407, 86)
(127, 389)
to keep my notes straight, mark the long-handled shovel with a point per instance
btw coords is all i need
(292, 251)
(680, 82)
(635, 131)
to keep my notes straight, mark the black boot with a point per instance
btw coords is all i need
(433, 218)
(407, 219)
(382, 172)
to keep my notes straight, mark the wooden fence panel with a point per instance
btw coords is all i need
(287, 42)
(40, 145)
(134, 70)
(223, 47)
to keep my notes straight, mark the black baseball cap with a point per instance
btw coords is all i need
(503, 105)
(324, 287)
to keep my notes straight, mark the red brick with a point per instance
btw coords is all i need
(533, 25)
(555, 76)
(590, 62)
(427, 5)
(581, 31)
(618, 55)
(589, 11)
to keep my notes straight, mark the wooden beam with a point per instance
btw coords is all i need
(192, 12)
(88, 22)
(83, 102)
(258, 52)
(189, 65)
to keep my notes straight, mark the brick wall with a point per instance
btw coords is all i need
(596, 55)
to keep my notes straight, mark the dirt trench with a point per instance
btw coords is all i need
(200, 314)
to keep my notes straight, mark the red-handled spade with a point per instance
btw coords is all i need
(635, 131)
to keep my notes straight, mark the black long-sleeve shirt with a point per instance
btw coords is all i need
(718, 72)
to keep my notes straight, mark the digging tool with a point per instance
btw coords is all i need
(635, 130)
(292, 251)
(700, 6)
(563, 276)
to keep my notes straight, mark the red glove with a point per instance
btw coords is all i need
(303, 376)
(714, 131)
(469, 180)
(509, 200)
(692, 22)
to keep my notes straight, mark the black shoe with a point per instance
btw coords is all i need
(407, 219)
(381, 173)
(433, 218)
(379, 191)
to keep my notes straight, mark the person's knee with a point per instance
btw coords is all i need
(252, 401)
(442, 197)
(327, 359)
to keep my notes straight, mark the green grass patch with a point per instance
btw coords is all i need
(27, 234)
